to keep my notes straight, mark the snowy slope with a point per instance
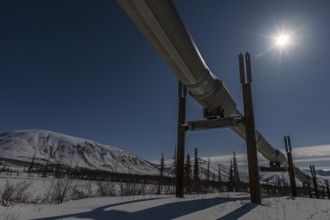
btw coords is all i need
(276, 178)
(70, 151)
(325, 173)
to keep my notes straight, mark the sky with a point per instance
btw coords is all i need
(82, 68)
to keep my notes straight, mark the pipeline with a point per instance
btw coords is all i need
(161, 24)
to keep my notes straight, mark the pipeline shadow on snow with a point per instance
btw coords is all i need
(161, 212)
(236, 214)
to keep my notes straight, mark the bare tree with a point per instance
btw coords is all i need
(105, 188)
(14, 192)
(59, 190)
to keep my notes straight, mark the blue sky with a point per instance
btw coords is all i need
(82, 68)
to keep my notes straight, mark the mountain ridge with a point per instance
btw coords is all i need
(55, 147)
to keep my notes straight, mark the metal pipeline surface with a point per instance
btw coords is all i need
(161, 24)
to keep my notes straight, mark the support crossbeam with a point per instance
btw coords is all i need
(213, 123)
(273, 169)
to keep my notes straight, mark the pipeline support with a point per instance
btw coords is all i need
(182, 93)
(288, 149)
(313, 173)
(248, 122)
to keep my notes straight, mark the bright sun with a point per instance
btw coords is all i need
(282, 40)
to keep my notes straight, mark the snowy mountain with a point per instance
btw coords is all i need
(70, 151)
(214, 171)
(322, 173)
(276, 178)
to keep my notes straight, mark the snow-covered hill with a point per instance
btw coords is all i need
(70, 151)
(283, 179)
(325, 173)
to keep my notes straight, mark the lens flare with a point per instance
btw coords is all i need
(282, 40)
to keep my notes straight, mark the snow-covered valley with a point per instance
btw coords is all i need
(18, 148)
(227, 206)
(41, 198)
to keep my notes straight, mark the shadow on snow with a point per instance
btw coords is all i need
(161, 212)
(239, 212)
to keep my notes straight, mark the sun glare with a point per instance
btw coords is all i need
(282, 40)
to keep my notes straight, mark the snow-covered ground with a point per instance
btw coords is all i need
(210, 206)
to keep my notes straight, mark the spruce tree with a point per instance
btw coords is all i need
(230, 177)
(196, 165)
(187, 174)
(196, 180)
(162, 164)
(161, 173)
(174, 160)
(208, 175)
(208, 170)
(235, 169)
(236, 179)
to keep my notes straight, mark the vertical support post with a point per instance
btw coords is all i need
(310, 190)
(304, 189)
(250, 129)
(315, 184)
(182, 93)
(288, 149)
(327, 186)
(312, 168)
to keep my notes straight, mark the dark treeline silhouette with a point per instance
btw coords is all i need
(193, 183)
(59, 170)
